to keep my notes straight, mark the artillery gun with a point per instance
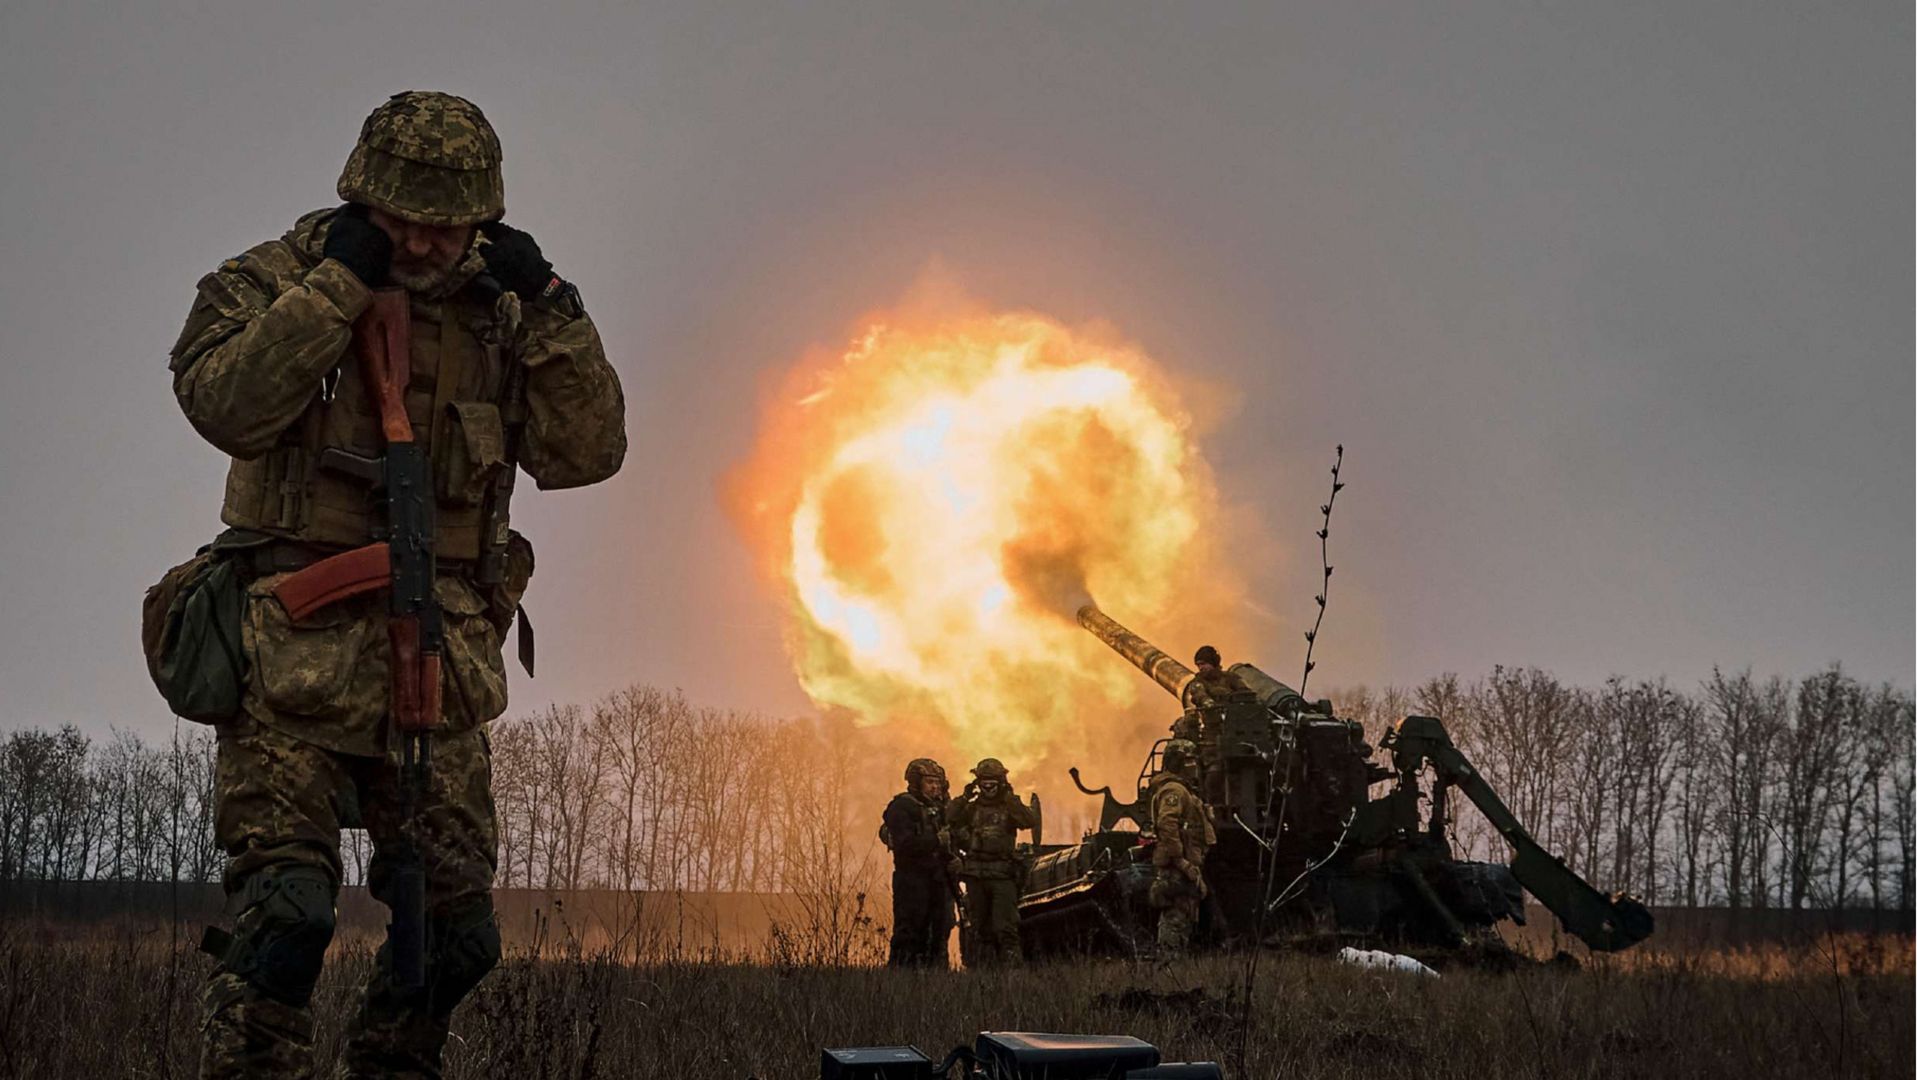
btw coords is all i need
(1300, 835)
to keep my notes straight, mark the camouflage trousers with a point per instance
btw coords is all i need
(1177, 900)
(278, 816)
(991, 922)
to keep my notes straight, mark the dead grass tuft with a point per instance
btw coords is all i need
(124, 1004)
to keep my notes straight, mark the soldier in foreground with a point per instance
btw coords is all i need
(985, 823)
(1184, 834)
(264, 372)
(922, 885)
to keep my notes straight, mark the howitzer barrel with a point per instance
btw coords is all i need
(1272, 694)
(1144, 656)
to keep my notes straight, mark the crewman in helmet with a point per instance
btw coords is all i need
(264, 370)
(922, 886)
(1182, 834)
(985, 824)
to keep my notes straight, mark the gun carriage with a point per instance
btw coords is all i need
(1301, 836)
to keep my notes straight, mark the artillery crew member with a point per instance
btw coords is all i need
(1184, 835)
(1211, 684)
(985, 823)
(922, 885)
(1210, 679)
(263, 370)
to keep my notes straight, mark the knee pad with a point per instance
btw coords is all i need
(279, 943)
(467, 947)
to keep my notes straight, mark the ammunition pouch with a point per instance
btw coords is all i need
(190, 632)
(474, 451)
(285, 922)
(330, 666)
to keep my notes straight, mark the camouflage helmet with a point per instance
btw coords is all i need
(920, 768)
(1180, 753)
(1206, 654)
(429, 158)
(990, 769)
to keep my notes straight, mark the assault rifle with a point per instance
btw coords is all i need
(403, 562)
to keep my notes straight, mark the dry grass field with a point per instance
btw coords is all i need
(121, 1003)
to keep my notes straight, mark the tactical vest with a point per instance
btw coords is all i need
(993, 834)
(1196, 834)
(459, 355)
(928, 819)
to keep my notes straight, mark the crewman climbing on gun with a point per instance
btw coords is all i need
(1210, 678)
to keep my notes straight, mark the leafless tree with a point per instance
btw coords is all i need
(1745, 727)
(1747, 793)
(1696, 804)
(1813, 738)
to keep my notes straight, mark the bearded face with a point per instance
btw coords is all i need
(424, 256)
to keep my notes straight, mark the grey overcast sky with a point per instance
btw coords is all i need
(1610, 304)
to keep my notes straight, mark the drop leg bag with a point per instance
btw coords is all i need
(190, 633)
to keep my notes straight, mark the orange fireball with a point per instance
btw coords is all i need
(935, 501)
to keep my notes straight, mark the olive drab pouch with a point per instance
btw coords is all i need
(473, 670)
(476, 448)
(190, 632)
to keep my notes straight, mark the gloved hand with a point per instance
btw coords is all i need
(945, 839)
(359, 245)
(1192, 871)
(514, 258)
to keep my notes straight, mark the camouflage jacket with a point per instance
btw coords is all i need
(259, 372)
(1179, 821)
(1214, 687)
(262, 371)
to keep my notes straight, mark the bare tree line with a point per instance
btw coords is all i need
(644, 790)
(1743, 793)
(639, 791)
(72, 809)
